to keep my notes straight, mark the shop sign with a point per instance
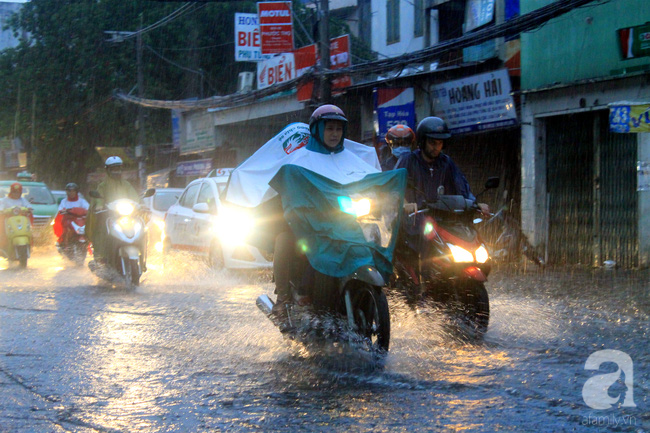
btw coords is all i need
(634, 41)
(276, 70)
(248, 45)
(477, 103)
(478, 13)
(276, 27)
(393, 106)
(199, 133)
(199, 167)
(627, 117)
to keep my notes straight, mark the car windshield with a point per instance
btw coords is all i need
(33, 194)
(163, 200)
(38, 195)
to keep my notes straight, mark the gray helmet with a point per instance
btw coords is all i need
(72, 186)
(431, 127)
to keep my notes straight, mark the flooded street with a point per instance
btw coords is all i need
(189, 351)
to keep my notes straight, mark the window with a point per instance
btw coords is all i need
(418, 18)
(207, 196)
(392, 21)
(190, 195)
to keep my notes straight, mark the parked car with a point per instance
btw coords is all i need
(199, 223)
(58, 195)
(43, 202)
(158, 204)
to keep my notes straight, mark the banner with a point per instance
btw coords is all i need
(199, 133)
(276, 27)
(307, 57)
(393, 106)
(627, 117)
(248, 46)
(477, 103)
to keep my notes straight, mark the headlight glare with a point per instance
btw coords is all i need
(482, 255)
(124, 208)
(460, 255)
(357, 208)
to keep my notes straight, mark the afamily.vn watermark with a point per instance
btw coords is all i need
(596, 390)
(609, 420)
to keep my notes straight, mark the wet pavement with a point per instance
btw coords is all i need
(189, 351)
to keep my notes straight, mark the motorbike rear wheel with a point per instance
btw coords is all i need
(79, 253)
(371, 315)
(474, 308)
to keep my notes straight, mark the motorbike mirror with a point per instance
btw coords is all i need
(149, 192)
(441, 190)
(94, 194)
(201, 208)
(492, 182)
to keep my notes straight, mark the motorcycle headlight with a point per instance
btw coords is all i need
(357, 208)
(161, 225)
(233, 225)
(482, 255)
(460, 255)
(124, 208)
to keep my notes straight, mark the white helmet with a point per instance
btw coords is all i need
(113, 161)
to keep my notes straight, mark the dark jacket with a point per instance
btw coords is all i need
(424, 179)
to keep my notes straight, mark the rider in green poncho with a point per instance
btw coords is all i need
(110, 189)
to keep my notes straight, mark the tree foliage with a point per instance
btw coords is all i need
(58, 83)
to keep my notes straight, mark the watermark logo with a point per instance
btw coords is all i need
(595, 391)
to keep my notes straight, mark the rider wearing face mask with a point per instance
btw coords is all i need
(401, 141)
(112, 188)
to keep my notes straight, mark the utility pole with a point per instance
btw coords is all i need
(324, 51)
(141, 149)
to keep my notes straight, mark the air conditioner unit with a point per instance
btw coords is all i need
(245, 81)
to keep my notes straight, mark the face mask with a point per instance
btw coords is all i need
(399, 151)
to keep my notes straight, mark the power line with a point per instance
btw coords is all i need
(513, 27)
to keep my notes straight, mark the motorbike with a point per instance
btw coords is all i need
(70, 226)
(348, 233)
(18, 231)
(505, 239)
(451, 265)
(125, 224)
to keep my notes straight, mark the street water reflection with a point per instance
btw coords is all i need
(189, 351)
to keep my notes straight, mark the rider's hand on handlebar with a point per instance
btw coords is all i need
(484, 209)
(410, 208)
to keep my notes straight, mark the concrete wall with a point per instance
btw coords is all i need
(644, 205)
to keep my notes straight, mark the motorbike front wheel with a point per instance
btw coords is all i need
(474, 308)
(371, 315)
(132, 268)
(22, 251)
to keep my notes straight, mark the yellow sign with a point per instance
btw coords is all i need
(629, 117)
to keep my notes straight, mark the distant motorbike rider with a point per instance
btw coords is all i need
(73, 200)
(327, 127)
(112, 188)
(400, 139)
(14, 198)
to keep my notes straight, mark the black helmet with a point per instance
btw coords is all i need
(432, 127)
(72, 186)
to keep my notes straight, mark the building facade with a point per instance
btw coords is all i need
(580, 192)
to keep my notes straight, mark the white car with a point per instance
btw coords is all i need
(199, 223)
(158, 204)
